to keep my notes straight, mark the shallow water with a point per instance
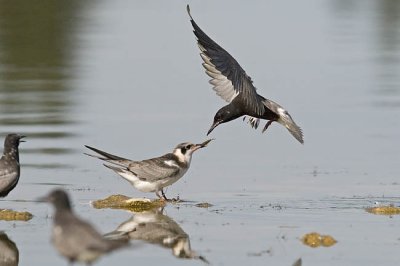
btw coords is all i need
(125, 76)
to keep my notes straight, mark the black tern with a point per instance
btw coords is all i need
(74, 238)
(157, 228)
(152, 175)
(232, 84)
(9, 164)
(9, 254)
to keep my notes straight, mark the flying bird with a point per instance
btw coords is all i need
(232, 84)
(152, 175)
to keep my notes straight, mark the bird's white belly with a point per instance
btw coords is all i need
(146, 186)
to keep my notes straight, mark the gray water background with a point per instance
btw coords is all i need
(126, 77)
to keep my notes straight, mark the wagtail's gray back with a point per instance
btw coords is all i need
(9, 164)
(152, 175)
(75, 239)
(232, 84)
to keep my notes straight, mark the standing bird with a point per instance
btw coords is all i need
(152, 175)
(233, 85)
(74, 238)
(9, 164)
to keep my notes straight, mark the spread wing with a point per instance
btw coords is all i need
(154, 169)
(227, 76)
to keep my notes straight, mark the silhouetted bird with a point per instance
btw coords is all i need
(74, 238)
(152, 175)
(233, 85)
(9, 164)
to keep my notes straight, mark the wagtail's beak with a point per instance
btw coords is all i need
(214, 125)
(201, 145)
(21, 137)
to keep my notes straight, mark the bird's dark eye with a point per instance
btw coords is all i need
(183, 150)
(188, 146)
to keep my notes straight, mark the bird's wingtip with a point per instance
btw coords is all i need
(90, 148)
(188, 11)
(116, 169)
(92, 155)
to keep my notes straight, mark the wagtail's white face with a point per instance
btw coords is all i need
(185, 150)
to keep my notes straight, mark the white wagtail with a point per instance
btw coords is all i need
(157, 228)
(233, 85)
(74, 238)
(9, 164)
(152, 175)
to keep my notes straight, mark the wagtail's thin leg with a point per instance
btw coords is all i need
(267, 125)
(163, 197)
(162, 192)
(158, 195)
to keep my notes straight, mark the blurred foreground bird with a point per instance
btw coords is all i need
(9, 164)
(152, 175)
(233, 85)
(74, 238)
(9, 254)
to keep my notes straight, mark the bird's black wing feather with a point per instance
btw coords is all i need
(228, 77)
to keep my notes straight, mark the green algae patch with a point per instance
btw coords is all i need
(10, 215)
(384, 210)
(316, 240)
(127, 203)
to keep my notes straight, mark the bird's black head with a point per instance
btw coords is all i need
(225, 114)
(12, 140)
(59, 198)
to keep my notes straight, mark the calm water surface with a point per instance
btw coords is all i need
(125, 76)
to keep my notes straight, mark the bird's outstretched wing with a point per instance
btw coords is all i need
(227, 76)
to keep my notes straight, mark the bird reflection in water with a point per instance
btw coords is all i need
(9, 254)
(156, 228)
